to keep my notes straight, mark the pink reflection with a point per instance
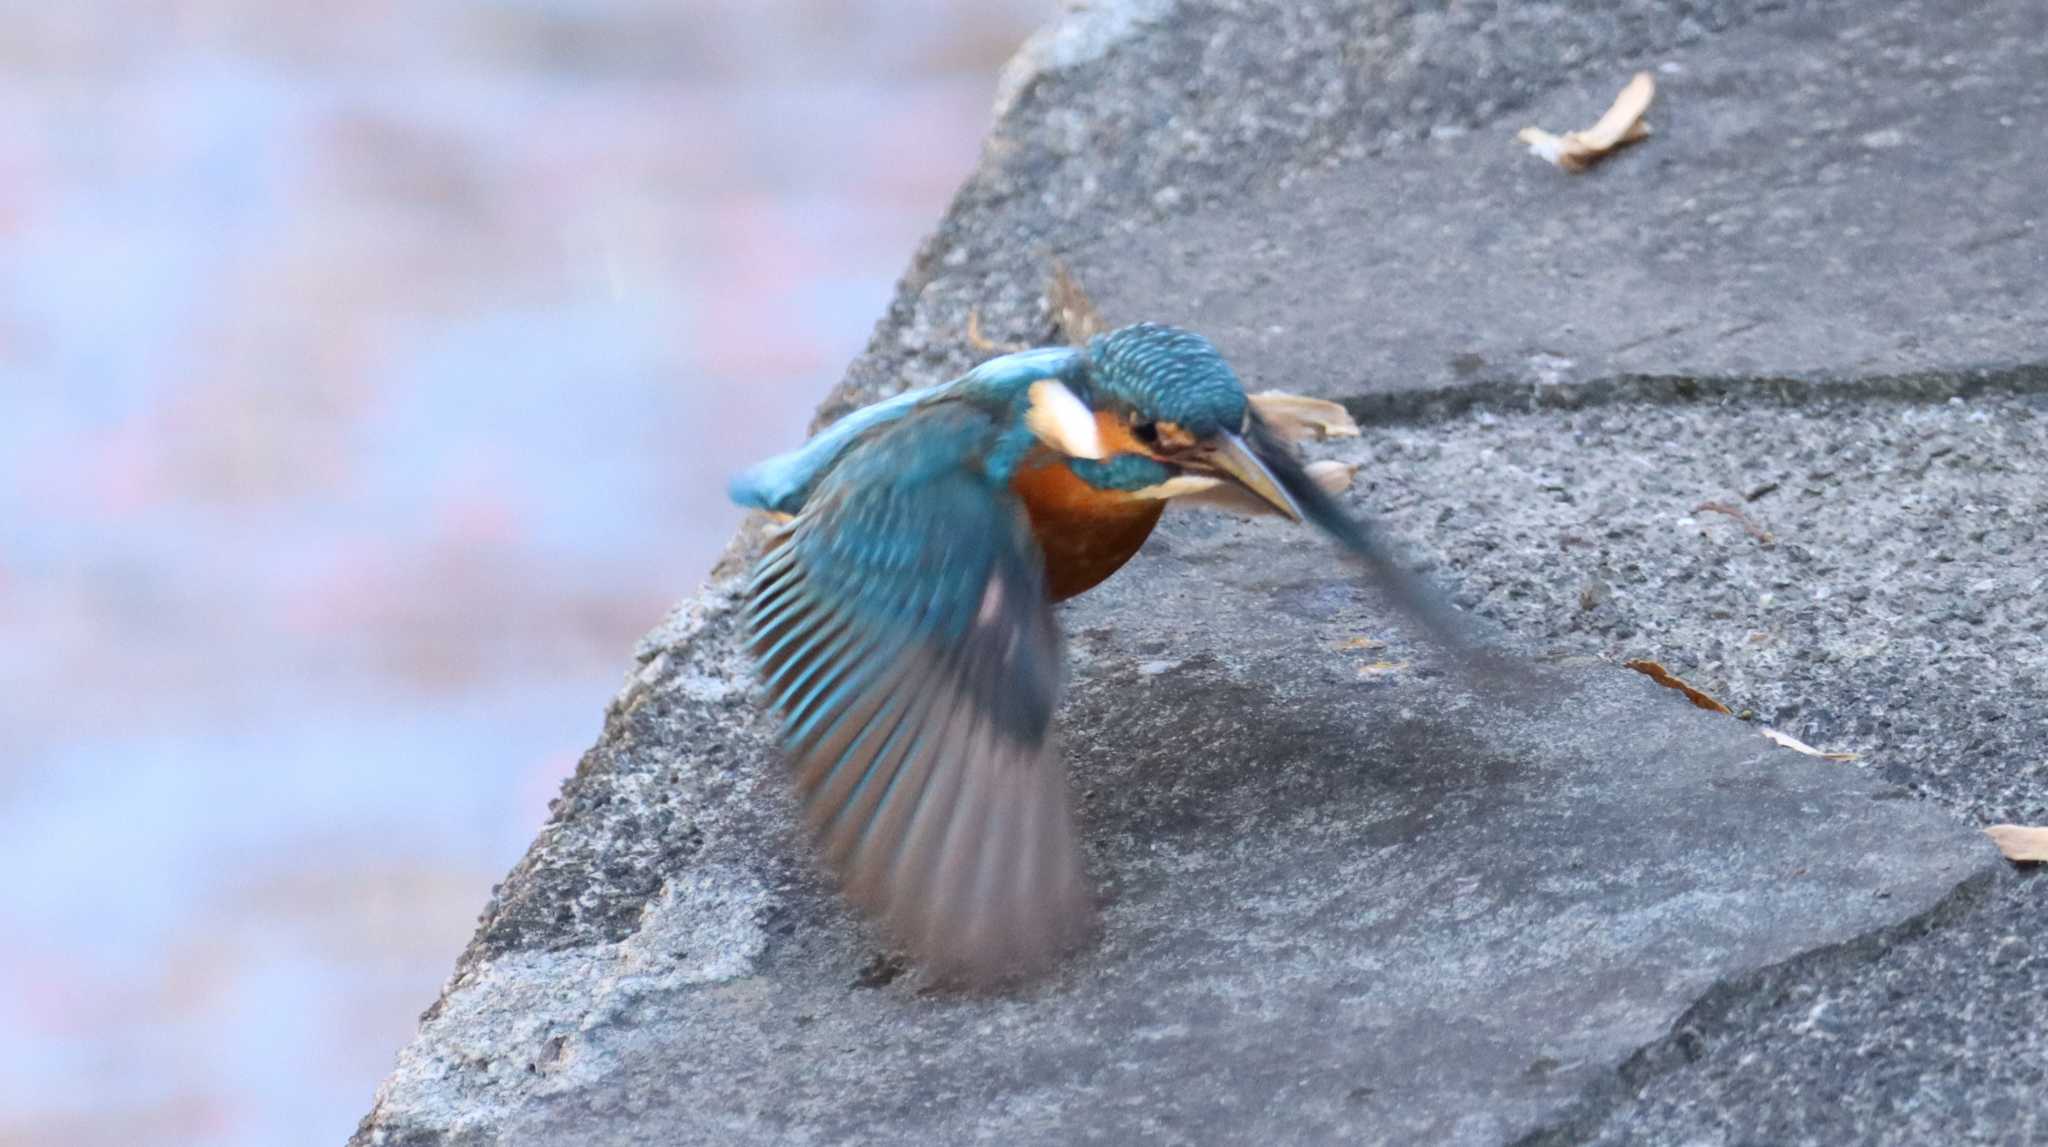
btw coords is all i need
(372, 372)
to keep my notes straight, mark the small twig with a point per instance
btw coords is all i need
(1665, 677)
(1787, 740)
(1073, 312)
(982, 342)
(1748, 524)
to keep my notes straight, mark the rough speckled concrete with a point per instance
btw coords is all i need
(1375, 905)
(1894, 612)
(1339, 905)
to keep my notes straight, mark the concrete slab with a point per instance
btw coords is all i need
(1375, 906)
(1342, 903)
(1847, 198)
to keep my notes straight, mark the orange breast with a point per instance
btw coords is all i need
(1087, 534)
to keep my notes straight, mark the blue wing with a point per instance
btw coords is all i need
(904, 635)
(782, 483)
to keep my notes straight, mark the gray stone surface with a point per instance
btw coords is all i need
(1895, 613)
(1339, 905)
(1163, 113)
(1821, 197)
(1370, 904)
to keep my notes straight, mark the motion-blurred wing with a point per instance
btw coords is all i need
(903, 633)
(1409, 592)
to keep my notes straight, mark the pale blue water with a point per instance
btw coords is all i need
(369, 378)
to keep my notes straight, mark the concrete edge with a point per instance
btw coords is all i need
(1729, 1004)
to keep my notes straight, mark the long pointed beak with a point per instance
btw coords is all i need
(1409, 591)
(1238, 460)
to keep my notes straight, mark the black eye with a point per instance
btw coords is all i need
(1147, 432)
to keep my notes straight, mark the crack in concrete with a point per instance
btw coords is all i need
(1734, 1003)
(1433, 405)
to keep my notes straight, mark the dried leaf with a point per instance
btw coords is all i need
(1073, 312)
(1297, 417)
(1381, 668)
(2021, 843)
(1664, 677)
(1362, 643)
(1623, 124)
(1789, 741)
(1333, 476)
(1624, 116)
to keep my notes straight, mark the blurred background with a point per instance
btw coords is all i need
(370, 371)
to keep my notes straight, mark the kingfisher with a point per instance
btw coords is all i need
(903, 628)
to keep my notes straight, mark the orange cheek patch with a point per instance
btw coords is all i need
(1116, 436)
